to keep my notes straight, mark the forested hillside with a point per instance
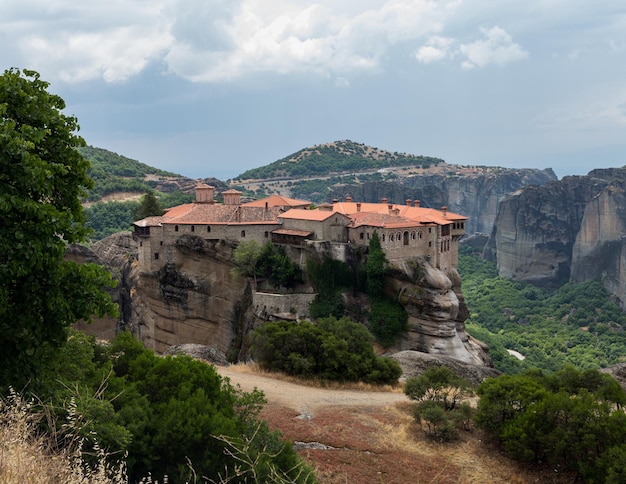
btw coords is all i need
(578, 324)
(120, 177)
(333, 158)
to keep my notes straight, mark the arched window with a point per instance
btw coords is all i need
(405, 238)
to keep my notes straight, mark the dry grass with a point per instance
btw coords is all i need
(385, 445)
(255, 369)
(28, 455)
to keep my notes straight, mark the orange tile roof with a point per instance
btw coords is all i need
(215, 213)
(302, 214)
(278, 201)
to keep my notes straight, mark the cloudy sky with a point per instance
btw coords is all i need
(214, 87)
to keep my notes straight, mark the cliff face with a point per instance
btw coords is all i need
(437, 313)
(471, 192)
(571, 230)
(195, 298)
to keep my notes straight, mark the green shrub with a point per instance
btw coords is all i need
(333, 349)
(571, 419)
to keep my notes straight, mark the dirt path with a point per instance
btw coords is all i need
(304, 399)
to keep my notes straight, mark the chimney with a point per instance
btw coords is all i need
(416, 203)
(348, 199)
(384, 200)
(358, 206)
(444, 209)
(204, 193)
(335, 200)
(408, 202)
(232, 197)
(390, 207)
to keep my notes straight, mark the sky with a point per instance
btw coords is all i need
(211, 88)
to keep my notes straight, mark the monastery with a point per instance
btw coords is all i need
(405, 231)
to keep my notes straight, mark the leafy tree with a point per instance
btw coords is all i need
(376, 267)
(246, 257)
(567, 419)
(42, 180)
(276, 265)
(334, 349)
(148, 207)
(164, 412)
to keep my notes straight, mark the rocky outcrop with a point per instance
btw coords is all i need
(474, 193)
(571, 230)
(117, 253)
(196, 299)
(437, 312)
(414, 363)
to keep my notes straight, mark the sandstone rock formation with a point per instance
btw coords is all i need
(414, 363)
(570, 230)
(437, 312)
(196, 299)
(117, 253)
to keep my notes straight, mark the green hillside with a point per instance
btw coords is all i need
(116, 173)
(332, 158)
(113, 173)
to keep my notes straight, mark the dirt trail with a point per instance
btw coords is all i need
(305, 399)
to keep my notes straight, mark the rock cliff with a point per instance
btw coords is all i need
(195, 298)
(437, 312)
(570, 230)
(474, 193)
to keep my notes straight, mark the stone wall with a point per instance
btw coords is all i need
(281, 306)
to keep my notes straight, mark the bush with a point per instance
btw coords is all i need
(167, 414)
(334, 349)
(571, 418)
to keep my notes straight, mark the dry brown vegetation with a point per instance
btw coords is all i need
(379, 442)
(28, 455)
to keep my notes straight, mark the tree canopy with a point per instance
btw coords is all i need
(42, 180)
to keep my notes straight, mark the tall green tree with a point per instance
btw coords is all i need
(375, 268)
(42, 181)
(149, 206)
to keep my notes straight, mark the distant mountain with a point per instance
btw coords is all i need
(333, 158)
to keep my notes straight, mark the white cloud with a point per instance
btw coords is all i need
(497, 48)
(436, 49)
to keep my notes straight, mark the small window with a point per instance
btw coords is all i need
(430, 244)
(160, 242)
(193, 228)
(267, 234)
(391, 238)
(175, 228)
(156, 256)
(430, 230)
(361, 235)
(243, 233)
(208, 228)
(383, 237)
(368, 236)
(140, 244)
